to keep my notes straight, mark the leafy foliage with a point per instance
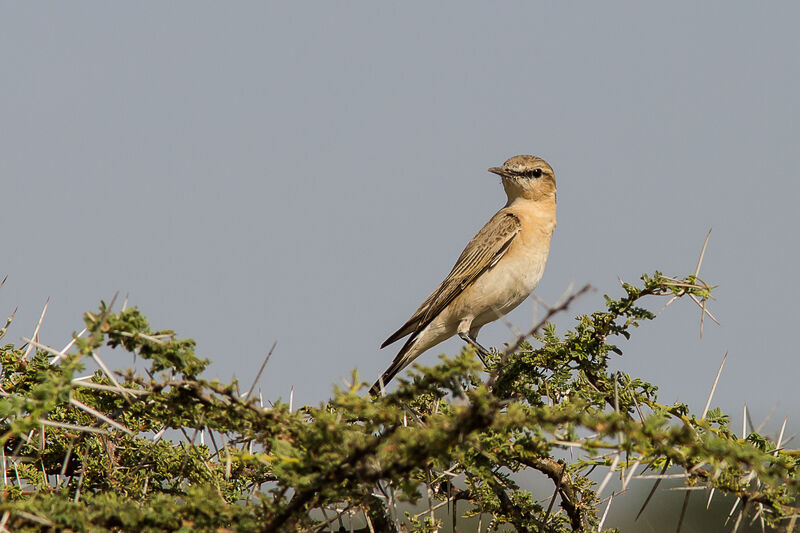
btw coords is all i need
(91, 454)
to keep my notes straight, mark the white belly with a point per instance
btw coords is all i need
(504, 286)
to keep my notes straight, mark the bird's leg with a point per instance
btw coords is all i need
(483, 353)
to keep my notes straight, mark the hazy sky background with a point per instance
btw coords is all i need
(309, 172)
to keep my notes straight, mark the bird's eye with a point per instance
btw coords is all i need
(537, 173)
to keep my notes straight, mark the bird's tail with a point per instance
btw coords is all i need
(402, 360)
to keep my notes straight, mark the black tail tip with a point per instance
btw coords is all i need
(378, 387)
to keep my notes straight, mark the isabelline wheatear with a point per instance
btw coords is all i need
(497, 270)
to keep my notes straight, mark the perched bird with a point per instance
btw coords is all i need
(497, 270)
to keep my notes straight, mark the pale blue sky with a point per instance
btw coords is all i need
(308, 172)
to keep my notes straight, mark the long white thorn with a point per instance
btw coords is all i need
(100, 416)
(605, 513)
(35, 335)
(710, 495)
(744, 422)
(702, 253)
(780, 436)
(608, 476)
(714, 386)
(71, 343)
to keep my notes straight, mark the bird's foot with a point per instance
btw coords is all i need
(482, 352)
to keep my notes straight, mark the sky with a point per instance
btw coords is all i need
(306, 173)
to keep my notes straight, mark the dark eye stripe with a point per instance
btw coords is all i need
(535, 173)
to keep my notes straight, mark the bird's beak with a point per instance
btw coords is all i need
(497, 170)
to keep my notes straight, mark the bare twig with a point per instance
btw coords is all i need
(260, 370)
(550, 312)
(9, 320)
(652, 491)
(685, 505)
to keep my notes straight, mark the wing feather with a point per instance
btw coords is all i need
(482, 252)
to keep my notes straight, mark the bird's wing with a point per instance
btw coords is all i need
(482, 252)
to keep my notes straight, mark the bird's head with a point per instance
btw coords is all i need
(527, 176)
